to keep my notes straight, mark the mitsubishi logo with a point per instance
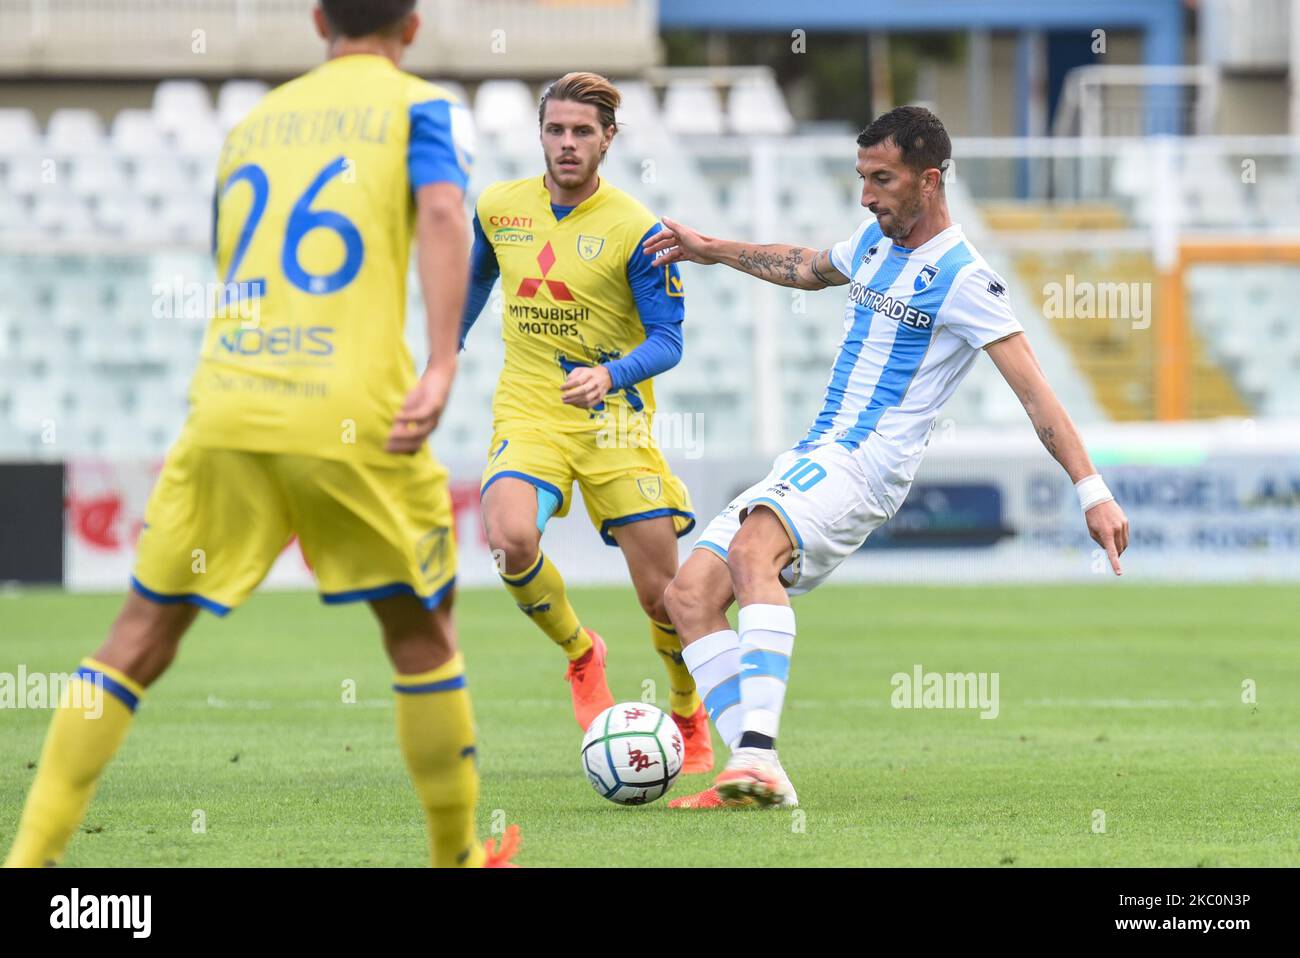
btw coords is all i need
(528, 288)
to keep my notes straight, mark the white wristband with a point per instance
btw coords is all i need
(1092, 490)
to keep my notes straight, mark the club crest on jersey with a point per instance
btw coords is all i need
(925, 277)
(652, 488)
(589, 247)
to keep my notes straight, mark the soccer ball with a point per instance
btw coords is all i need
(632, 753)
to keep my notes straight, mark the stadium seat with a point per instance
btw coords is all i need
(19, 132)
(61, 214)
(187, 220)
(30, 173)
(74, 131)
(236, 98)
(179, 103)
(638, 114)
(503, 107)
(692, 107)
(15, 214)
(97, 175)
(201, 137)
(127, 216)
(161, 175)
(136, 133)
(757, 107)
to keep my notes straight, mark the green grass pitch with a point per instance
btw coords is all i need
(1125, 699)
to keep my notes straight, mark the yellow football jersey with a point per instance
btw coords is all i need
(313, 225)
(577, 291)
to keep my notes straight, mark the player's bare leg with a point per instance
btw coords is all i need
(435, 725)
(761, 548)
(91, 723)
(650, 548)
(510, 512)
(697, 600)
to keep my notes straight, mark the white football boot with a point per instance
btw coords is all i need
(756, 774)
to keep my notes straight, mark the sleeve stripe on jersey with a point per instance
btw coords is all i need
(438, 152)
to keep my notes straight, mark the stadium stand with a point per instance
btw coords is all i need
(106, 220)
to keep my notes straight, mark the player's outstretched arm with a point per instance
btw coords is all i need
(1106, 521)
(442, 251)
(796, 266)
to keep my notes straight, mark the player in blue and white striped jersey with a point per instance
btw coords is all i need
(922, 304)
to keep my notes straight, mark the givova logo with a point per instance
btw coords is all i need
(73, 911)
(278, 341)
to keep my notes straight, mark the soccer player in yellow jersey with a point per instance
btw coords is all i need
(307, 417)
(588, 321)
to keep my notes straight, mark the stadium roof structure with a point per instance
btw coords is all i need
(1159, 21)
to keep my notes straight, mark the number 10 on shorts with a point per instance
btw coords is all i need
(804, 474)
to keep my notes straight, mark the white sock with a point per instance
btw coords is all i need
(714, 661)
(766, 641)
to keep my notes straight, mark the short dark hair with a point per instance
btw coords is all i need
(364, 18)
(917, 133)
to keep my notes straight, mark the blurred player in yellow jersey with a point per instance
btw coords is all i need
(307, 418)
(588, 321)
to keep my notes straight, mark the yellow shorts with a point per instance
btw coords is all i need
(218, 518)
(620, 484)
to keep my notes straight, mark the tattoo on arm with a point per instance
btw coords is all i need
(1048, 437)
(778, 268)
(792, 261)
(816, 272)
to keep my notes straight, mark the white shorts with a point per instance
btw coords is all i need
(822, 498)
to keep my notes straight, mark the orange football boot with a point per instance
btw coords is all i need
(709, 798)
(498, 856)
(586, 676)
(698, 742)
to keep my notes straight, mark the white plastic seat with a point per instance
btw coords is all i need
(19, 132)
(125, 215)
(504, 107)
(15, 214)
(62, 214)
(30, 173)
(236, 98)
(136, 133)
(160, 175)
(187, 220)
(35, 402)
(72, 132)
(178, 103)
(757, 107)
(638, 114)
(692, 107)
(200, 137)
(97, 175)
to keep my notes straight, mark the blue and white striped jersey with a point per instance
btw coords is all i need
(914, 323)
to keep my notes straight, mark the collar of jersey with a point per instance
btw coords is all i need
(942, 235)
(358, 58)
(582, 207)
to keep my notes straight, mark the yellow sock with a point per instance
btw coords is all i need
(435, 728)
(539, 593)
(84, 735)
(682, 696)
